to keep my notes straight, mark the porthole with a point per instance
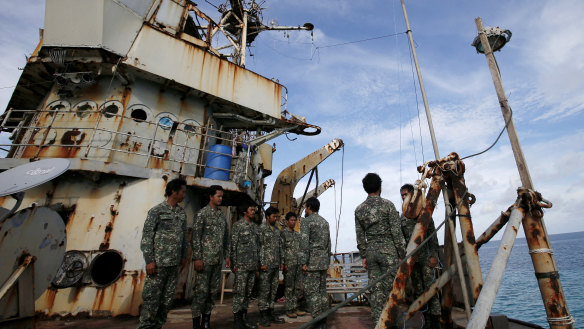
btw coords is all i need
(139, 115)
(190, 127)
(57, 106)
(110, 111)
(84, 109)
(106, 268)
(165, 122)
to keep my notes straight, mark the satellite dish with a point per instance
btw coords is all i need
(32, 174)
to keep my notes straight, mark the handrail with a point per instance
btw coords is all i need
(205, 133)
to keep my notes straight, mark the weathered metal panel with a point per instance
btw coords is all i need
(120, 27)
(82, 26)
(90, 23)
(140, 7)
(169, 15)
(200, 70)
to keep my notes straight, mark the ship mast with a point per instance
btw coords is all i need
(451, 230)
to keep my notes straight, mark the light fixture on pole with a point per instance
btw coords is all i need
(497, 39)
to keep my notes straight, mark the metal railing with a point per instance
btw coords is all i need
(208, 136)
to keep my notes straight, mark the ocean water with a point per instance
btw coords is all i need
(518, 296)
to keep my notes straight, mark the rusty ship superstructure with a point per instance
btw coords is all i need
(132, 93)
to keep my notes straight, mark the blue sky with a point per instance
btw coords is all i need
(365, 94)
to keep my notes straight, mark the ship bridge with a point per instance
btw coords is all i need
(135, 88)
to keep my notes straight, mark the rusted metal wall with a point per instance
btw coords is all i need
(200, 70)
(106, 214)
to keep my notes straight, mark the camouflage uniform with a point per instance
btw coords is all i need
(290, 242)
(245, 258)
(270, 257)
(164, 242)
(210, 243)
(381, 242)
(422, 274)
(315, 253)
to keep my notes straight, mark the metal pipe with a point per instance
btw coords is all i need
(447, 301)
(459, 268)
(473, 265)
(432, 290)
(546, 272)
(494, 228)
(243, 40)
(15, 275)
(421, 81)
(485, 302)
(270, 121)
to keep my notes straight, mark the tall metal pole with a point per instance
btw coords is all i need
(243, 39)
(447, 205)
(426, 106)
(536, 235)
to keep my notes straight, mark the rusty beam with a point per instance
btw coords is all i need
(27, 260)
(455, 173)
(485, 302)
(494, 228)
(544, 264)
(390, 313)
(432, 290)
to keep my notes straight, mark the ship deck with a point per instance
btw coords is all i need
(354, 317)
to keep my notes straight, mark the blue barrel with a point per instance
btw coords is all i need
(221, 163)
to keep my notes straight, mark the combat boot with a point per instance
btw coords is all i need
(197, 322)
(238, 320)
(273, 317)
(247, 324)
(206, 321)
(435, 321)
(300, 312)
(431, 321)
(264, 318)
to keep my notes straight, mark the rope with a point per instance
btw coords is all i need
(417, 107)
(316, 50)
(542, 251)
(371, 284)
(564, 320)
(341, 205)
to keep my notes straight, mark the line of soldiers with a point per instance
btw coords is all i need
(301, 257)
(381, 239)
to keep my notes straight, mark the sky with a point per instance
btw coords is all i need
(367, 94)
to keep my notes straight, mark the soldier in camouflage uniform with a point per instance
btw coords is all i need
(424, 271)
(315, 253)
(270, 262)
(210, 243)
(245, 262)
(290, 243)
(164, 246)
(379, 240)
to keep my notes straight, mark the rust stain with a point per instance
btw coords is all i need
(50, 296)
(98, 302)
(90, 222)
